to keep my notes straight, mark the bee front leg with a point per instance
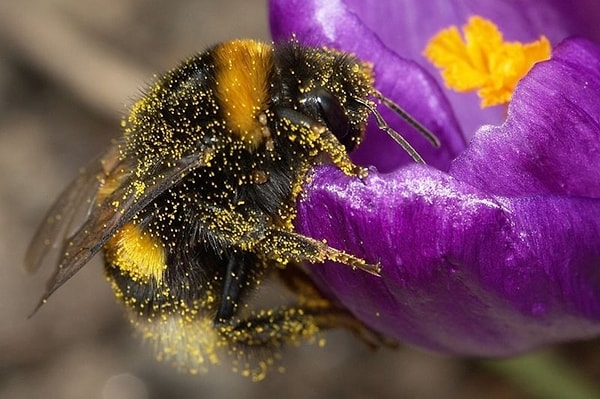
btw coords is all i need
(286, 246)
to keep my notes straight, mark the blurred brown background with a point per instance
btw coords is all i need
(68, 71)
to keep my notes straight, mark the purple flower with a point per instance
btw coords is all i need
(492, 249)
(403, 27)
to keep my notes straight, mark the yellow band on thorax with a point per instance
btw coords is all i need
(242, 78)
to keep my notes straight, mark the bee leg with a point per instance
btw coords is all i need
(276, 327)
(327, 313)
(322, 137)
(337, 318)
(279, 244)
(338, 155)
(236, 280)
(286, 246)
(312, 313)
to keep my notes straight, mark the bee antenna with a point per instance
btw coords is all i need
(398, 110)
(397, 137)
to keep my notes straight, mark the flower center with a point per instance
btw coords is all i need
(483, 61)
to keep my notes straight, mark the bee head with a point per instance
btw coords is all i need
(328, 86)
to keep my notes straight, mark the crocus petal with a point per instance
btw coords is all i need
(463, 272)
(469, 267)
(405, 27)
(550, 141)
(329, 23)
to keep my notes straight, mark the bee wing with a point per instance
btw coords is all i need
(105, 217)
(68, 213)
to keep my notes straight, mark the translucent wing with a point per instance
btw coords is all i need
(103, 214)
(68, 213)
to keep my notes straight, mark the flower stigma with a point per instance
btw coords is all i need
(483, 61)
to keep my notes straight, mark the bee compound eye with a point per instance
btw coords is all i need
(327, 109)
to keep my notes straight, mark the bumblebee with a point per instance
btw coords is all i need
(193, 206)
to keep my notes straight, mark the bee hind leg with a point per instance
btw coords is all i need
(272, 329)
(312, 313)
(327, 314)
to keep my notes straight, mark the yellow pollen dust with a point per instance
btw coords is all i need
(483, 61)
(136, 253)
